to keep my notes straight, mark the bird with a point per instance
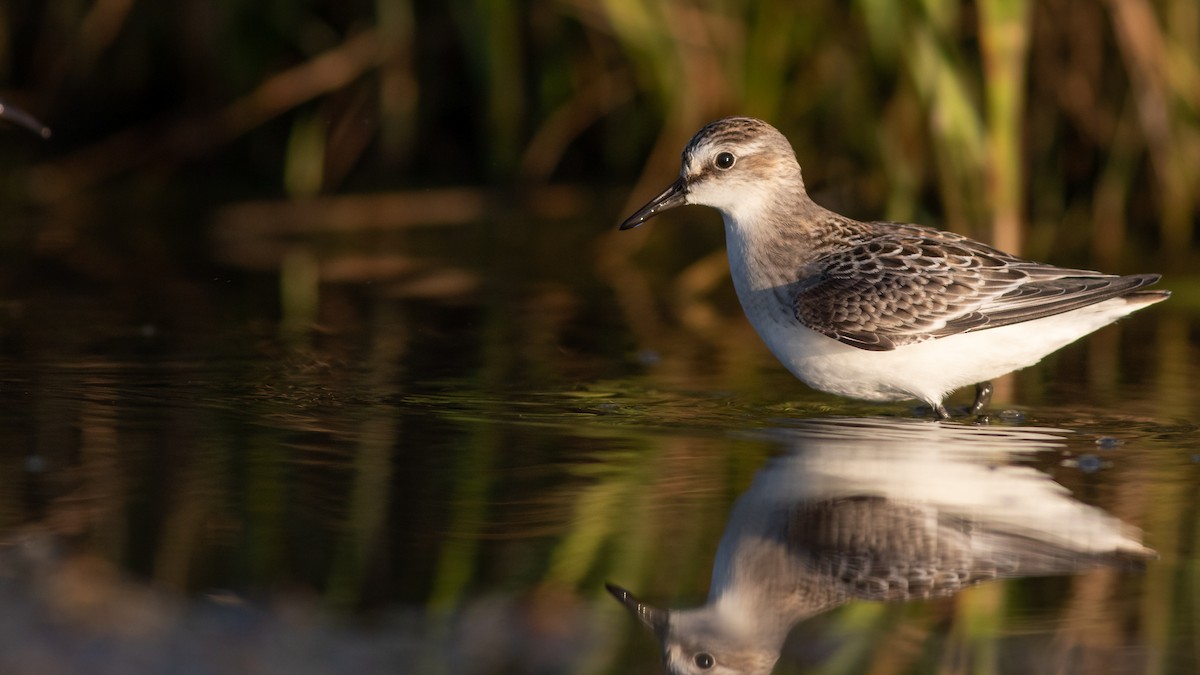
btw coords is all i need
(879, 311)
(884, 510)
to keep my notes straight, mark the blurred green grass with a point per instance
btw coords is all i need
(1064, 129)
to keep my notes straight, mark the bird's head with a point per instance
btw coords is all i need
(701, 641)
(736, 165)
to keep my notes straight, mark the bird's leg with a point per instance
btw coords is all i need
(940, 412)
(983, 396)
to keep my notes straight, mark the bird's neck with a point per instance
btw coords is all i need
(766, 588)
(771, 242)
(768, 243)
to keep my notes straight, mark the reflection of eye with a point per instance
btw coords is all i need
(704, 660)
(724, 161)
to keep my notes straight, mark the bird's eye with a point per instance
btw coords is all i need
(724, 160)
(704, 660)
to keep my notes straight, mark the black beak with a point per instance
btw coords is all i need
(656, 619)
(673, 196)
(24, 119)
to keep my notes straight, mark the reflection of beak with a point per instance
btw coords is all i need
(653, 617)
(670, 198)
(22, 118)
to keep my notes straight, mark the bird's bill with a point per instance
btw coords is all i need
(674, 195)
(654, 618)
(21, 118)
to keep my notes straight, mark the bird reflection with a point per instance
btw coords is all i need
(879, 510)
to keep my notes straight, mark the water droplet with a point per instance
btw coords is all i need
(1012, 415)
(35, 464)
(648, 357)
(1089, 463)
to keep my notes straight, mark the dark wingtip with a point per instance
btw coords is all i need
(1150, 296)
(1147, 297)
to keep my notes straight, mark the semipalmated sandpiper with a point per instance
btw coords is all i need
(880, 510)
(880, 311)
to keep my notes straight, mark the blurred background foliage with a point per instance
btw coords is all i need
(527, 428)
(1064, 128)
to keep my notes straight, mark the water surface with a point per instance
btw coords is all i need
(427, 450)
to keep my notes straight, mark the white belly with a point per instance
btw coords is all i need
(926, 371)
(929, 370)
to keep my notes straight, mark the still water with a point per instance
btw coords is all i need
(428, 449)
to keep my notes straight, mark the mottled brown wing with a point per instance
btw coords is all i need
(898, 290)
(884, 549)
(881, 549)
(904, 288)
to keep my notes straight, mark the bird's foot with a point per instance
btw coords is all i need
(983, 396)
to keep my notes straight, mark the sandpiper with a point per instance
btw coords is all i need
(880, 311)
(880, 510)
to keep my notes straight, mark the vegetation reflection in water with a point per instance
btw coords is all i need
(881, 510)
(422, 471)
(498, 557)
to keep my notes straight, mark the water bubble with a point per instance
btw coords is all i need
(35, 464)
(1108, 442)
(1011, 415)
(1089, 463)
